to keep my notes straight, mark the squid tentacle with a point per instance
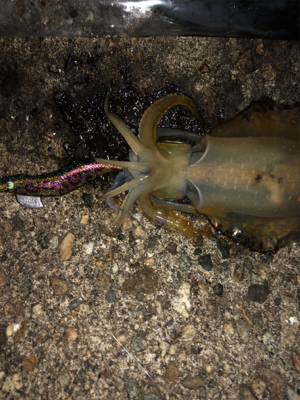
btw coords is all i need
(153, 168)
(118, 181)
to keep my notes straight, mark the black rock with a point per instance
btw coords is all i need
(258, 293)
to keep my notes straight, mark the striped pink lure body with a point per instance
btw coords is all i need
(57, 183)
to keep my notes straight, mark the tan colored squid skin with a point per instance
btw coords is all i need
(244, 176)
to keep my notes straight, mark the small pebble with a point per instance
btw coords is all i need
(66, 247)
(102, 283)
(203, 288)
(208, 368)
(258, 293)
(71, 335)
(87, 386)
(101, 265)
(218, 289)
(84, 309)
(38, 311)
(75, 303)
(291, 395)
(169, 278)
(50, 133)
(109, 257)
(224, 248)
(138, 343)
(246, 394)
(188, 333)
(197, 251)
(277, 301)
(115, 268)
(234, 96)
(22, 332)
(88, 200)
(132, 389)
(149, 262)
(194, 382)
(26, 285)
(43, 241)
(270, 314)
(184, 262)
(17, 381)
(89, 355)
(293, 279)
(243, 330)
(248, 264)
(181, 302)
(296, 362)
(127, 224)
(261, 274)
(14, 207)
(12, 329)
(228, 368)
(197, 241)
(88, 247)
(121, 339)
(143, 280)
(258, 320)
(275, 384)
(4, 278)
(164, 347)
(245, 63)
(258, 47)
(238, 273)
(30, 363)
(139, 231)
(205, 262)
(269, 342)
(8, 309)
(85, 219)
(53, 242)
(173, 349)
(7, 385)
(204, 69)
(182, 354)
(290, 325)
(110, 296)
(229, 328)
(171, 374)
(258, 387)
(172, 248)
(64, 377)
(268, 73)
(140, 296)
(59, 286)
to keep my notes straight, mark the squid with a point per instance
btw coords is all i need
(244, 176)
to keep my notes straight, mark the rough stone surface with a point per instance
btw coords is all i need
(32, 72)
(275, 384)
